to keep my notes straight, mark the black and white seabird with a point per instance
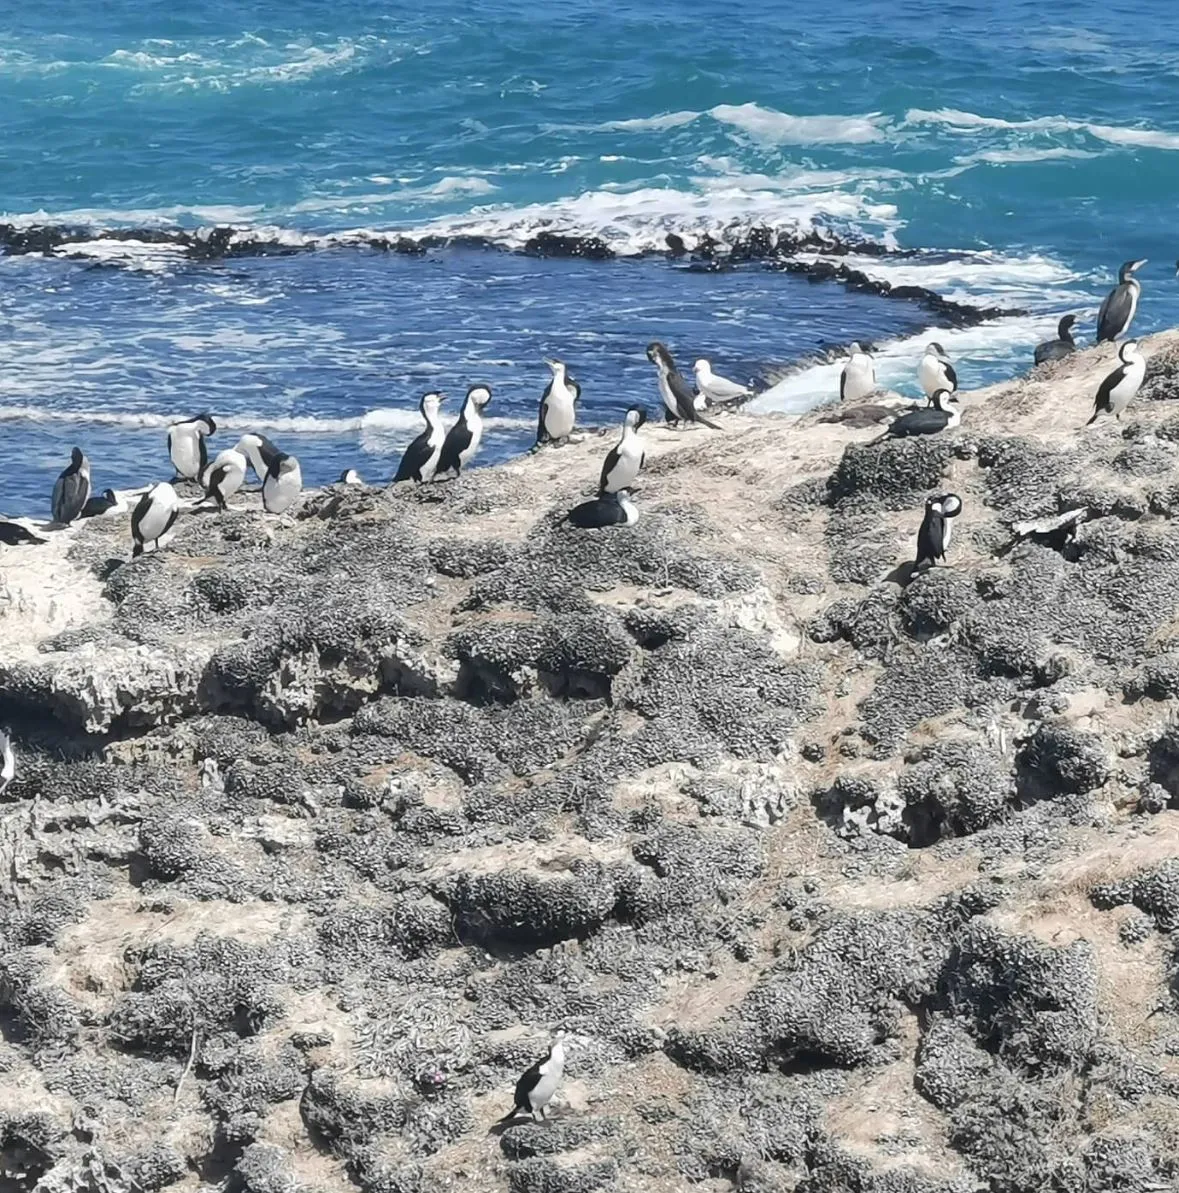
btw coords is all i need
(225, 476)
(72, 489)
(609, 509)
(283, 484)
(106, 501)
(8, 762)
(421, 457)
(937, 528)
(1121, 303)
(858, 378)
(715, 390)
(13, 534)
(152, 517)
(463, 439)
(941, 414)
(350, 477)
(1064, 344)
(186, 445)
(538, 1083)
(624, 461)
(1118, 389)
(935, 372)
(259, 451)
(558, 405)
(678, 400)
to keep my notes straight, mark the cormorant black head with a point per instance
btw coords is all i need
(658, 354)
(430, 403)
(479, 395)
(207, 419)
(76, 457)
(936, 349)
(950, 504)
(940, 399)
(1064, 328)
(1128, 347)
(635, 417)
(1129, 268)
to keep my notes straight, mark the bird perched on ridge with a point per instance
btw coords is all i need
(186, 445)
(538, 1083)
(103, 503)
(421, 457)
(13, 534)
(858, 378)
(607, 509)
(1119, 387)
(624, 461)
(1121, 303)
(283, 484)
(942, 413)
(72, 489)
(1064, 344)
(152, 517)
(934, 370)
(259, 451)
(463, 439)
(558, 405)
(937, 528)
(225, 476)
(716, 390)
(678, 399)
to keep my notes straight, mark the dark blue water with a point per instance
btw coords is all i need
(1041, 146)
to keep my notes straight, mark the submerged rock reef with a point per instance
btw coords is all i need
(835, 877)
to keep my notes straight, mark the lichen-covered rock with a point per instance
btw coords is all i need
(324, 826)
(1033, 1005)
(1061, 760)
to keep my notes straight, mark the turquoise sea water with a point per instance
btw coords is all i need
(1022, 151)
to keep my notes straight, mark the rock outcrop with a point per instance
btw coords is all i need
(837, 877)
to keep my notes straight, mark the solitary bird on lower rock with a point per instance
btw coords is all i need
(538, 1083)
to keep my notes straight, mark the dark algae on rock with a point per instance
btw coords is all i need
(835, 878)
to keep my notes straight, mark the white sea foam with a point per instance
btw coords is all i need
(444, 188)
(974, 349)
(139, 255)
(767, 125)
(651, 123)
(780, 128)
(1002, 157)
(637, 221)
(1113, 134)
(135, 217)
(387, 420)
(977, 277)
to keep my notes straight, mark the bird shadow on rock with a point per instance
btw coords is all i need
(903, 574)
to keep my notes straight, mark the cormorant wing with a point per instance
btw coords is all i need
(931, 539)
(685, 400)
(414, 457)
(608, 465)
(1115, 310)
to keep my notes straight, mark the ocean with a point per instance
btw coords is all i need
(381, 172)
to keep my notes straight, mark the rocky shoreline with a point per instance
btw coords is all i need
(837, 878)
